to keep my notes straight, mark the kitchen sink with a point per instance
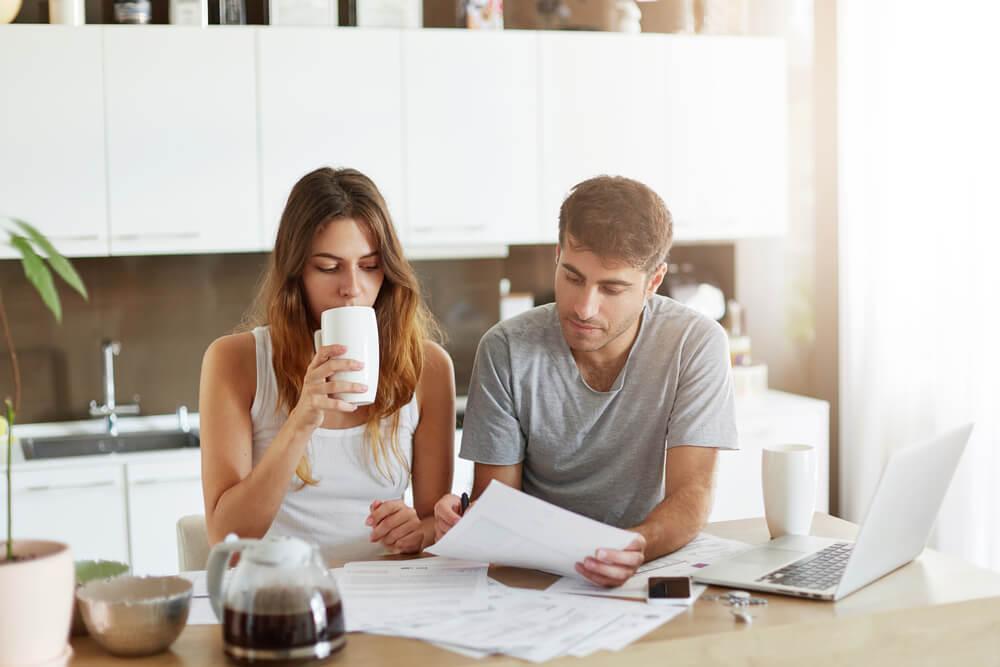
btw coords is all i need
(101, 443)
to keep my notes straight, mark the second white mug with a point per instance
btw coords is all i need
(356, 328)
(788, 475)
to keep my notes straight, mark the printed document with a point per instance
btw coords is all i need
(508, 527)
(533, 625)
(409, 590)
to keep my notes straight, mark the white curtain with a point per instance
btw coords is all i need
(919, 210)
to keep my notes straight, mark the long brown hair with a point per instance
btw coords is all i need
(404, 322)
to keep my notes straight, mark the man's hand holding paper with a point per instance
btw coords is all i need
(613, 567)
(508, 527)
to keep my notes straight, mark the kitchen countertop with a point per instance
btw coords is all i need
(125, 425)
(97, 426)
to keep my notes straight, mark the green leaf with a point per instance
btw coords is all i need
(59, 263)
(38, 274)
(88, 570)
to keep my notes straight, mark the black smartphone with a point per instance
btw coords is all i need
(669, 589)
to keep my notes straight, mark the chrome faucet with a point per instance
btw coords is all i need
(110, 410)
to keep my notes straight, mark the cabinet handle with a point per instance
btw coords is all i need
(142, 237)
(69, 487)
(448, 228)
(84, 237)
(164, 480)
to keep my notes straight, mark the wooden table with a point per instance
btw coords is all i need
(937, 609)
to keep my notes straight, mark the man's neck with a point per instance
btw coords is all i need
(601, 367)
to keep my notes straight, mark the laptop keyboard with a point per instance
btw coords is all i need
(817, 571)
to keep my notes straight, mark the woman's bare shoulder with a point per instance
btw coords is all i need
(437, 380)
(436, 359)
(232, 358)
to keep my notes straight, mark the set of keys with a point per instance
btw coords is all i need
(738, 602)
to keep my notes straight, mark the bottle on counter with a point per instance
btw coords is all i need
(480, 14)
(133, 11)
(303, 12)
(189, 12)
(347, 12)
(739, 342)
(67, 12)
(232, 12)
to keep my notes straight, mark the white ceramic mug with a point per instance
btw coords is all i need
(67, 12)
(788, 475)
(356, 328)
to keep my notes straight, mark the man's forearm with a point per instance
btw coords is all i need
(676, 521)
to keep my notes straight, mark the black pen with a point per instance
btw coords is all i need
(465, 504)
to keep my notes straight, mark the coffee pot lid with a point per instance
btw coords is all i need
(285, 551)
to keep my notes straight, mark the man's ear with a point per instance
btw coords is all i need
(558, 253)
(656, 279)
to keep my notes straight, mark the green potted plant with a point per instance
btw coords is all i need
(36, 576)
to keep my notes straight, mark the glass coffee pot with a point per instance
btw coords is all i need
(279, 604)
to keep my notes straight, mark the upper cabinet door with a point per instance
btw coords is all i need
(182, 139)
(329, 97)
(604, 111)
(52, 135)
(471, 132)
(727, 137)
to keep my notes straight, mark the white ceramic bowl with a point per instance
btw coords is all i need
(133, 616)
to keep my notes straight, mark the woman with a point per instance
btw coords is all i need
(280, 454)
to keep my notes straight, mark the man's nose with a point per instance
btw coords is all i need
(586, 306)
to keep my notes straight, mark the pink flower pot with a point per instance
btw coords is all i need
(36, 603)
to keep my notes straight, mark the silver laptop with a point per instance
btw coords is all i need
(894, 532)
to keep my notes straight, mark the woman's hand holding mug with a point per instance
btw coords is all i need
(319, 387)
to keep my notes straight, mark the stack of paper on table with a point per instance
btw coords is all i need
(508, 527)
(527, 624)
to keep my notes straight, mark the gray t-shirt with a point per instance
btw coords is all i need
(600, 454)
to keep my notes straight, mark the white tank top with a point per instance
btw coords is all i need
(332, 513)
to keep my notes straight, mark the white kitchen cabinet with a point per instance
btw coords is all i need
(82, 506)
(726, 143)
(471, 135)
(52, 135)
(603, 111)
(160, 493)
(328, 97)
(169, 139)
(182, 139)
(772, 418)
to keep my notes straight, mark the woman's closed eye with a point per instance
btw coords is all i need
(334, 269)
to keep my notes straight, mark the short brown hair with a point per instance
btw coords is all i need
(617, 217)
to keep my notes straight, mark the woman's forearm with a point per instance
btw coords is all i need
(248, 507)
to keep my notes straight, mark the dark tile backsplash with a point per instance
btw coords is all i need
(165, 310)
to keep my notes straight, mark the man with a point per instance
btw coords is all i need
(613, 401)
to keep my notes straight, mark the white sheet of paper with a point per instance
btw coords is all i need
(699, 552)
(200, 581)
(629, 627)
(536, 626)
(508, 527)
(378, 594)
(201, 612)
